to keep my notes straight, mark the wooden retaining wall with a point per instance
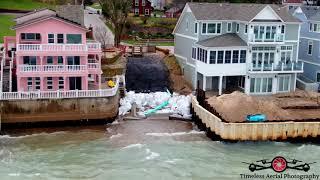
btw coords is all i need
(254, 131)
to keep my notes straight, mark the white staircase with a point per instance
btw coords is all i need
(6, 73)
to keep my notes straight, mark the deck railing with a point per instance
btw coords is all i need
(60, 94)
(53, 68)
(276, 67)
(59, 47)
(276, 38)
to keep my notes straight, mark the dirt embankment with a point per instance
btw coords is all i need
(177, 81)
(236, 106)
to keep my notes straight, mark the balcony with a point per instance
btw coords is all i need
(277, 38)
(33, 48)
(294, 67)
(53, 68)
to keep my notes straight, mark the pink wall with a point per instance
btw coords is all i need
(51, 26)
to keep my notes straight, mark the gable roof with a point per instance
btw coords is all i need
(225, 40)
(311, 12)
(236, 11)
(32, 12)
(44, 18)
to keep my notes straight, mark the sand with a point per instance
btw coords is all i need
(236, 106)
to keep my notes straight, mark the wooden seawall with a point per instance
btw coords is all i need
(254, 131)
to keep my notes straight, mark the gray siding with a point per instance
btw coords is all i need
(292, 32)
(303, 51)
(241, 34)
(310, 71)
(183, 47)
(187, 24)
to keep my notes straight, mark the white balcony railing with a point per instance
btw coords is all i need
(277, 38)
(93, 66)
(53, 68)
(60, 94)
(280, 67)
(59, 47)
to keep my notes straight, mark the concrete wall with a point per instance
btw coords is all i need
(21, 111)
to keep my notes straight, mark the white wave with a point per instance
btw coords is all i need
(115, 136)
(14, 174)
(151, 155)
(172, 161)
(175, 133)
(133, 146)
(31, 135)
(115, 122)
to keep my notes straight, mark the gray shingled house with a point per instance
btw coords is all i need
(248, 47)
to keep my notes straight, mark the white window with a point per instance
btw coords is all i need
(229, 27)
(61, 83)
(246, 29)
(310, 27)
(310, 47)
(136, 2)
(211, 28)
(235, 56)
(213, 57)
(318, 77)
(49, 60)
(227, 57)
(49, 83)
(29, 84)
(196, 28)
(284, 83)
(243, 56)
(202, 55)
(260, 85)
(147, 12)
(282, 29)
(37, 83)
(136, 11)
(286, 54)
(220, 57)
(316, 28)
(194, 53)
(143, 2)
(238, 27)
(50, 38)
(60, 39)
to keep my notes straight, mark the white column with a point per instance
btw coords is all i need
(294, 82)
(204, 83)
(275, 84)
(220, 84)
(247, 85)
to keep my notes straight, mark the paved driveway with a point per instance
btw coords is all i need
(95, 21)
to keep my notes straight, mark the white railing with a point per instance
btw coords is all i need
(52, 68)
(60, 94)
(93, 66)
(59, 47)
(279, 67)
(264, 39)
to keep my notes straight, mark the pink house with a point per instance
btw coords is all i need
(53, 53)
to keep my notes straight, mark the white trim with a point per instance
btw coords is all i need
(231, 27)
(310, 42)
(267, 6)
(52, 17)
(186, 36)
(195, 28)
(308, 62)
(315, 39)
(216, 28)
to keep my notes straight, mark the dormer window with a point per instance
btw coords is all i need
(211, 28)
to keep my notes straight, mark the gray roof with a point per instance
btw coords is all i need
(236, 11)
(225, 40)
(311, 12)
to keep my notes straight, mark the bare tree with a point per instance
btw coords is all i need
(117, 12)
(101, 35)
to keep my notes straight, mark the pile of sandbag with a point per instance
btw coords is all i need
(179, 105)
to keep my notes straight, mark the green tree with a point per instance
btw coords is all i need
(117, 12)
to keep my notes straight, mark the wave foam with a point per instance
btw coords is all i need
(115, 136)
(133, 146)
(175, 133)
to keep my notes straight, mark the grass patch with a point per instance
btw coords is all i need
(22, 4)
(169, 23)
(96, 6)
(6, 22)
(134, 42)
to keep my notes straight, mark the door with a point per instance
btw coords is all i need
(75, 83)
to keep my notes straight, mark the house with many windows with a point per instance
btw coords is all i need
(50, 52)
(309, 51)
(249, 47)
(142, 7)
